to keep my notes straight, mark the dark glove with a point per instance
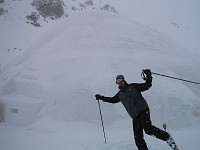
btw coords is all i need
(147, 72)
(98, 96)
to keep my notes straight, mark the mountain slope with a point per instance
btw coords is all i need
(69, 64)
(22, 22)
(178, 19)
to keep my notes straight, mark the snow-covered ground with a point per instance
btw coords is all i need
(63, 135)
(47, 91)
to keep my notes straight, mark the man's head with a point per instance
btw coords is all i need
(120, 80)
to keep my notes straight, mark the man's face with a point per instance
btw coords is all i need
(120, 82)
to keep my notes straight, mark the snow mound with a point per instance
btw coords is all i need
(71, 63)
(21, 110)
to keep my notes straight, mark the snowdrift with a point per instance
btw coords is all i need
(81, 57)
(21, 110)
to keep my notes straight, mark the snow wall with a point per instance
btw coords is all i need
(81, 56)
(20, 110)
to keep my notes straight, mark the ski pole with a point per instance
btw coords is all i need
(175, 78)
(102, 121)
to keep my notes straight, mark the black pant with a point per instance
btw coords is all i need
(143, 121)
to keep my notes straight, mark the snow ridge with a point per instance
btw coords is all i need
(71, 73)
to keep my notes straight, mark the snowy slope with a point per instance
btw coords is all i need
(67, 71)
(17, 31)
(178, 19)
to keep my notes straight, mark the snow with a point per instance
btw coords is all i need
(62, 135)
(177, 19)
(47, 91)
(21, 110)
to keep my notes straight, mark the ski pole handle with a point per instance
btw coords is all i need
(165, 126)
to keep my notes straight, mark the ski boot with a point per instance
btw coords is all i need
(170, 141)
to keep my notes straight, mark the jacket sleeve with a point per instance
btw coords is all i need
(144, 86)
(114, 99)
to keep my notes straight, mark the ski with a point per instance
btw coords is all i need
(171, 142)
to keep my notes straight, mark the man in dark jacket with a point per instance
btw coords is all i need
(136, 106)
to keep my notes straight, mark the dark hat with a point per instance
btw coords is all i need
(119, 77)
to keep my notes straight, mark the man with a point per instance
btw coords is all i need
(136, 106)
